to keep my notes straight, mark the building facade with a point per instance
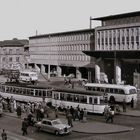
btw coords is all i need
(117, 43)
(13, 54)
(63, 53)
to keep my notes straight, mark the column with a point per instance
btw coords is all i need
(89, 76)
(37, 68)
(48, 71)
(97, 73)
(59, 71)
(98, 100)
(42, 68)
(117, 72)
(78, 73)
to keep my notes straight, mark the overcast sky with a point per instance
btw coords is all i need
(21, 18)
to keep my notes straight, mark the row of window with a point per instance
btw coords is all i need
(118, 37)
(106, 90)
(26, 91)
(75, 98)
(10, 59)
(65, 57)
(61, 38)
(77, 47)
(11, 51)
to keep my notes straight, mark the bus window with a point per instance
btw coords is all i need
(83, 99)
(98, 89)
(61, 96)
(69, 97)
(132, 91)
(49, 93)
(36, 92)
(76, 98)
(40, 93)
(95, 100)
(44, 93)
(121, 91)
(90, 100)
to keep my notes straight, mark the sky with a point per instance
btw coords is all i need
(22, 18)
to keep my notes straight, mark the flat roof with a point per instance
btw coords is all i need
(61, 33)
(117, 16)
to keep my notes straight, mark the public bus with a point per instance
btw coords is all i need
(88, 100)
(25, 93)
(28, 76)
(114, 92)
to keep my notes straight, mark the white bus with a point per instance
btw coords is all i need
(88, 100)
(114, 92)
(28, 76)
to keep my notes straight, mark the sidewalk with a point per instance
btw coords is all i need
(89, 127)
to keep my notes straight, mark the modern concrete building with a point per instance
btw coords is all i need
(117, 46)
(63, 53)
(13, 54)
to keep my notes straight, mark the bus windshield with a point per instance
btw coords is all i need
(132, 91)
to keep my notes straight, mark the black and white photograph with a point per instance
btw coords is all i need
(69, 70)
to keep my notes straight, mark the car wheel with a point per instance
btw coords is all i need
(56, 133)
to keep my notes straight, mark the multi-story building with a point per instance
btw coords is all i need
(13, 54)
(63, 52)
(117, 44)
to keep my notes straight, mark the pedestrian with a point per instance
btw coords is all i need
(132, 103)
(110, 116)
(81, 114)
(124, 105)
(24, 126)
(4, 135)
(85, 115)
(19, 111)
(56, 112)
(69, 118)
(106, 111)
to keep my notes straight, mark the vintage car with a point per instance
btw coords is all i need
(53, 126)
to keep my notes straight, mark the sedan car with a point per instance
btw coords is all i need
(53, 126)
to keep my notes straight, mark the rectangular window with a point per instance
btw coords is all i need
(10, 59)
(17, 59)
(17, 51)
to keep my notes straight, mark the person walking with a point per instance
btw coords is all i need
(69, 118)
(110, 116)
(4, 135)
(124, 105)
(24, 127)
(19, 111)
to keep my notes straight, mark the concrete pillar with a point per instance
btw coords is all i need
(59, 71)
(97, 73)
(42, 68)
(37, 68)
(78, 74)
(48, 71)
(89, 76)
(98, 100)
(117, 72)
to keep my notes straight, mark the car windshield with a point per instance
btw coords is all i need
(55, 122)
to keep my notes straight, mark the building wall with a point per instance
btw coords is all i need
(123, 37)
(62, 49)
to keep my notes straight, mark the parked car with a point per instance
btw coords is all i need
(53, 126)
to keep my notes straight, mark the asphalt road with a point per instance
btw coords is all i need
(13, 125)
